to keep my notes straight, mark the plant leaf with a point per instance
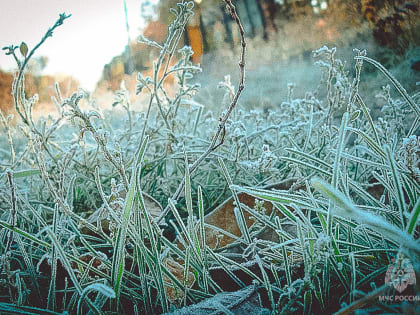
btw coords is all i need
(23, 49)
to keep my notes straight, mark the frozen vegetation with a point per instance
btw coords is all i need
(105, 214)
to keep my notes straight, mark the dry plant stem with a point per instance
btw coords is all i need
(158, 83)
(9, 138)
(146, 120)
(355, 88)
(12, 211)
(329, 87)
(222, 122)
(110, 158)
(170, 56)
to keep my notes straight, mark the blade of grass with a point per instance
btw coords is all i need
(101, 289)
(394, 81)
(336, 168)
(309, 157)
(64, 260)
(412, 222)
(239, 214)
(305, 164)
(51, 302)
(118, 259)
(369, 118)
(345, 208)
(375, 146)
(266, 281)
(397, 184)
(273, 196)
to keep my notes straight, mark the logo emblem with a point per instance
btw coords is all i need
(400, 274)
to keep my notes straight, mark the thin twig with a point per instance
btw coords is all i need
(5, 122)
(167, 48)
(17, 83)
(215, 143)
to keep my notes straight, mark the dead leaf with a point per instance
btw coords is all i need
(176, 294)
(376, 190)
(102, 215)
(152, 205)
(245, 301)
(223, 217)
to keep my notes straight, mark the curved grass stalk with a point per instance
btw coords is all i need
(394, 81)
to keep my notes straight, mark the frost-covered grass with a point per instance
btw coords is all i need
(351, 205)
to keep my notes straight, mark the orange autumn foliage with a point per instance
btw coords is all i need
(6, 99)
(41, 85)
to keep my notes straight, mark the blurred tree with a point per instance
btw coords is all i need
(6, 100)
(128, 64)
(395, 24)
(43, 85)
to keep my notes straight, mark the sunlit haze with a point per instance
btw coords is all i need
(94, 34)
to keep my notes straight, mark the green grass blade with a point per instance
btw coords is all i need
(273, 196)
(305, 164)
(25, 173)
(64, 260)
(412, 223)
(118, 259)
(340, 148)
(336, 167)
(369, 118)
(201, 215)
(8, 308)
(309, 157)
(397, 184)
(101, 289)
(267, 283)
(239, 214)
(24, 234)
(345, 208)
(188, 197)
(184, 229)
(375, 146)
